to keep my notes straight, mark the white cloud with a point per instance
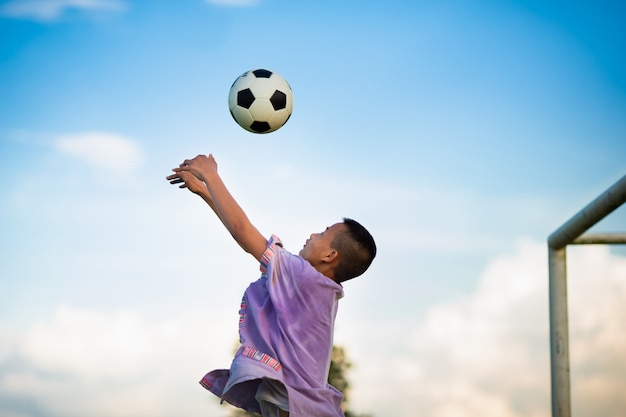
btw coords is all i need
(90, 363)
(102, 150)
(487, 353)
(51, 10)
(597, 292)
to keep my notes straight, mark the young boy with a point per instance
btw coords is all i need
(287, 317)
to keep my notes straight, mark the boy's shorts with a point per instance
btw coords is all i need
(273, 399)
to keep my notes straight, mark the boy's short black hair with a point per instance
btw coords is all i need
(356, 248)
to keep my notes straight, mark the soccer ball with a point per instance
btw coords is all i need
(260, 101)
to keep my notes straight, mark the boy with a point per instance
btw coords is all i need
(287, 317)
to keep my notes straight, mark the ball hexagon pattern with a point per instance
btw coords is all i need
(260, 101)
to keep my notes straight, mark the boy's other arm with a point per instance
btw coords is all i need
(224, 205)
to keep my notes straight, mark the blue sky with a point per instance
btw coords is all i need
(461, 133)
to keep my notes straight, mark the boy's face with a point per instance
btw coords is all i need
(318, 245)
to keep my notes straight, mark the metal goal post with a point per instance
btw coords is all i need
(572, 232)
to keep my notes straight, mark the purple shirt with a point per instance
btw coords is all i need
(286, 328)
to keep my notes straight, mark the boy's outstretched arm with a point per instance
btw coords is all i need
(204, 172)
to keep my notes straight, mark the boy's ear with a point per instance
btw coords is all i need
(331, 256)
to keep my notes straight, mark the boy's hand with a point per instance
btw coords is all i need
(202, 166)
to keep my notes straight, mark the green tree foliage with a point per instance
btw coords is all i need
(339, 367)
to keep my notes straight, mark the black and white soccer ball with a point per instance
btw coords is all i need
(260, 101)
